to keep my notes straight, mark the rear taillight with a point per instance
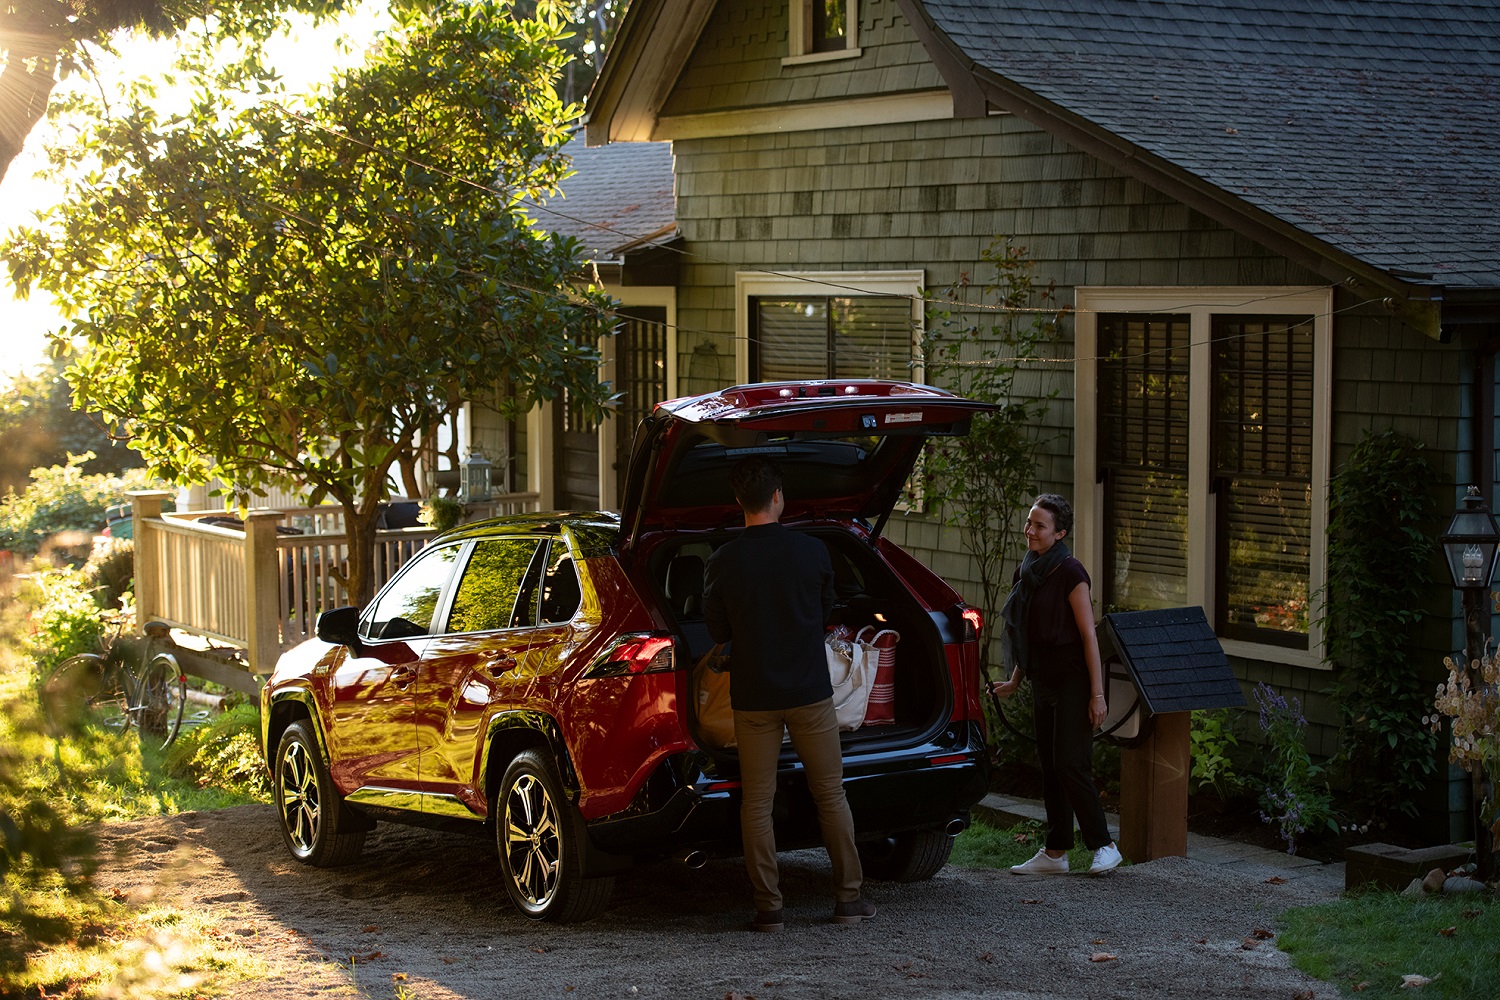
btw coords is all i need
(636, 654)
(973, 624)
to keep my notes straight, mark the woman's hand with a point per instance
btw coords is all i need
(1097, 710)
(1004, 689)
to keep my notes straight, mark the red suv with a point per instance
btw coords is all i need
(529, 677)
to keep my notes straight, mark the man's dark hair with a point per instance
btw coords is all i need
(754, 480)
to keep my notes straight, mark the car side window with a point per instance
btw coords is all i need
(561, 594)
(487, 592)
(407, 606)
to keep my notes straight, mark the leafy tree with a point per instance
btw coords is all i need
(39, 427)
(594, 23)
(981, 335)
(42, 41)
(289, 298)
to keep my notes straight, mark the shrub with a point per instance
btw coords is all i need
(1292, 798)
(223, 753)
(62, 498)
(1212, 737)
(66, 618)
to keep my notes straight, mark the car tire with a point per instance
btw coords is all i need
(540, 838)
(906, 857)
(317, 827)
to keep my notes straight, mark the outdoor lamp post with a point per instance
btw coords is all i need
(474, 478)
(1470, 545)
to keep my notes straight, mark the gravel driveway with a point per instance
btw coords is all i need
(428, 905)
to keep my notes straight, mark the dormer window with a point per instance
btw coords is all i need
(822, 29)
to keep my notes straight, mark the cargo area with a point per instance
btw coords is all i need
(868, 593)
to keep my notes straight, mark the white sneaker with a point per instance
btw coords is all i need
(1106, 858)
(1042, 864)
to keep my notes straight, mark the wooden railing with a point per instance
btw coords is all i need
(251, 587)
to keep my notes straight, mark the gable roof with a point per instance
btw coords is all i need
(1359, 138)
(1369, 126)
(619, 198)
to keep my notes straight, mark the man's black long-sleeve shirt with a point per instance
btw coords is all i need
(771, 591)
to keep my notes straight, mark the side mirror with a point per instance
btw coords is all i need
(339, 626)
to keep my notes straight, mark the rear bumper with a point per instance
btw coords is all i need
(920, 788)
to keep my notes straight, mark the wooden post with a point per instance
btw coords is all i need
(1154, 791)
(262, 591)
(146, 505)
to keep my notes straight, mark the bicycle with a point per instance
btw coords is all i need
(131, 681)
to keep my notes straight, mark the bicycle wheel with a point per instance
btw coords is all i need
(88, 690)
(160, 700)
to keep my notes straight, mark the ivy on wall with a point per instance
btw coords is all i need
(1380, 527)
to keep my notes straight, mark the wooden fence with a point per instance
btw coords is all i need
(250, 587)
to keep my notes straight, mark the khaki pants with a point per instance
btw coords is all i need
(815, 738)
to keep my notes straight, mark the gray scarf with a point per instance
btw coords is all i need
(1015, 650)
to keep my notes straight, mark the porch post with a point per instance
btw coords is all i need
(262, 591)
(146, 505)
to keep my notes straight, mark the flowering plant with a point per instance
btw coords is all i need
(1473, 703)
(1291, 798)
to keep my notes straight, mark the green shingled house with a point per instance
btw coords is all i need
(1276, 223)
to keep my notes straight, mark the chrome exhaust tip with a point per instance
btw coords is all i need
(692, 859)
(956, 826)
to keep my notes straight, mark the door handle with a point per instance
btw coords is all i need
(498, 663)
(403, 677)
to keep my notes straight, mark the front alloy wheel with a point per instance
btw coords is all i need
(317, 827)
(540, 840)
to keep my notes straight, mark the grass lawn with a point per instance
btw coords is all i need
(985, 846)
(1366, 944)
(57, 936)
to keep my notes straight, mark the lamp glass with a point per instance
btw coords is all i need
(474, 477)
(1470, 544)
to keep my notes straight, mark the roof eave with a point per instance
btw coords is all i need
(652, 44)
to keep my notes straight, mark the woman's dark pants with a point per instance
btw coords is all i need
(1065, 748)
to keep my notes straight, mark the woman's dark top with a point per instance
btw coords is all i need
(771, 590)
(1052, 628)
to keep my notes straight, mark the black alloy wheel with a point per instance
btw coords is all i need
(540, 839)
(315, 823)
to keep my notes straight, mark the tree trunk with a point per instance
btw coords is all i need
(24, 93)
(360, 530)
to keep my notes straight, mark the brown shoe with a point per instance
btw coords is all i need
(853, 913)
(767, 920)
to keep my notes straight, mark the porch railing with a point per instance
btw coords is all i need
(251, 587)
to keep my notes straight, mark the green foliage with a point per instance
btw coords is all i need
(110, 573)
(288, 297)
(1381, 531)
(42, 41)
(66, 619)
(1367, 943)
(223, 753)
(441, 513)
(39, 427)
(64, 498)
(979, 337)
(1294, 797)
(1212, 737)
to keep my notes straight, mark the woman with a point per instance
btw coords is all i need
(1049, 637)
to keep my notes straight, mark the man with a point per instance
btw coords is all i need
(771, 590)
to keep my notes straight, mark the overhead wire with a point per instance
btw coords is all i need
(812, 278)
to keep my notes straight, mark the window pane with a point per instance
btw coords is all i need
(829, 23)
(492, 579)
(1262, 450)
(871, 337)
(862, 336)
(406, 609)
(792, 339)
(1143, 459)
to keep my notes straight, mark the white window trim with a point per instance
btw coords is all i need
(1201, 305)
(836, 284)
(798, 51)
